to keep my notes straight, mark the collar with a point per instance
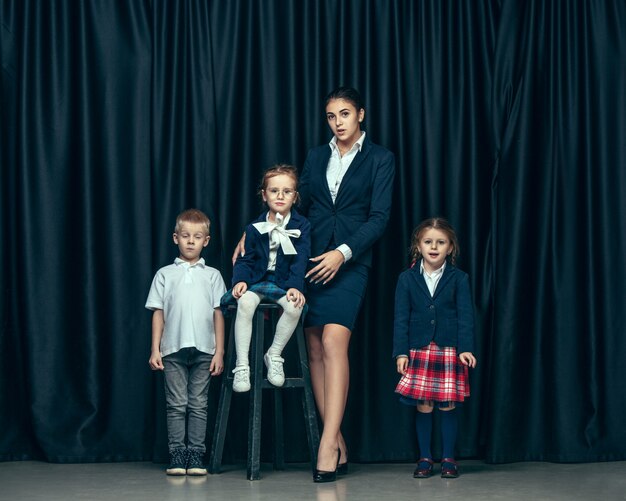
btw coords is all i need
(200, 262)
(280, 220)
(358, 144)
(434, 273)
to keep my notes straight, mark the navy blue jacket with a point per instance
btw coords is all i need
(361, 210)
(447, 318)
(290, 269)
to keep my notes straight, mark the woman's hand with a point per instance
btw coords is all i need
(239, 289)
(240, 250)
(468, 359)
(296, 296)
(327, 267)
(402, 362)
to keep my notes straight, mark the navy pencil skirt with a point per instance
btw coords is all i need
(339, 301)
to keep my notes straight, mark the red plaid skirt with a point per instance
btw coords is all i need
(435, 374)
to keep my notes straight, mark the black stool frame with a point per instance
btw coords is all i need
(258, 385)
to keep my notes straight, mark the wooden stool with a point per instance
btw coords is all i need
(258, 383)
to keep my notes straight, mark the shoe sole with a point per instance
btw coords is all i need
(276, 383)
(176, 472)
(196, 472)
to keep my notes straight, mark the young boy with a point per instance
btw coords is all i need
(187, 340)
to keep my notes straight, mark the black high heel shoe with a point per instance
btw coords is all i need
(342, 469)
(321, 476)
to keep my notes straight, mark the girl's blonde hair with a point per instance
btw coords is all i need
(437, 223)
(277, 170)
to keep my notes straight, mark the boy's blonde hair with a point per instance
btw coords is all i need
(192, 216)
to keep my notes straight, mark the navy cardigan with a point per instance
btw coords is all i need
(290, 269)
(447, 318)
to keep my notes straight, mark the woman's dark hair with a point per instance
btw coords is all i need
(348, 94)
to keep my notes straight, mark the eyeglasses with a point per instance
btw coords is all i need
(287, 193)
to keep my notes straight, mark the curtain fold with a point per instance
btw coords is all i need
(506, 117)
(560, 200)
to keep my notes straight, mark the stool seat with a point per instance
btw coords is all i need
(258, 384)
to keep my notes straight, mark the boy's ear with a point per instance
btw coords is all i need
(175, 238)
(206, 240)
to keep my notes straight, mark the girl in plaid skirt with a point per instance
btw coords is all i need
(277, 249)
(434, 339)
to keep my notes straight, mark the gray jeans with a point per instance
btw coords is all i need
(187, 379)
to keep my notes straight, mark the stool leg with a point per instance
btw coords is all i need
(223, 408)
(254, 422)
(279, 437)
(308, 400)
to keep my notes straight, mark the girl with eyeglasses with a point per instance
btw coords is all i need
(272, 267)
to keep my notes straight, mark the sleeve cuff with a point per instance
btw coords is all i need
(346, 251)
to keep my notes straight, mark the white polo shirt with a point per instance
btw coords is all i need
(188, 295)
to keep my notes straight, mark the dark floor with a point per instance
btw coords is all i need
(31, 480)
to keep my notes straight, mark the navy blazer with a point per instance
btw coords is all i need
(361, 210)
(447, 318)
(290, 269)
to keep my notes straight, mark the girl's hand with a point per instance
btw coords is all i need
(156, 363)
(240, 250)
(402, 362)
(327, 267)
(468, 359)
(217, 365)
(296, 296)
(239, 289)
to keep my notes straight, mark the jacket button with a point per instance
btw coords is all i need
(432, 322)
(432, 306)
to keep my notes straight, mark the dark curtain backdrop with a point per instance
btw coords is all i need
(507, 117)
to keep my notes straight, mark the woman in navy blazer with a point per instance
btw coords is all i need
(346, 189)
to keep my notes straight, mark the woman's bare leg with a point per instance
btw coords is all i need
(330, 373)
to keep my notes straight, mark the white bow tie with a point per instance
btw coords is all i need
(282, 233)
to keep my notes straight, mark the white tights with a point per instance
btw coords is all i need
(246, 306)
